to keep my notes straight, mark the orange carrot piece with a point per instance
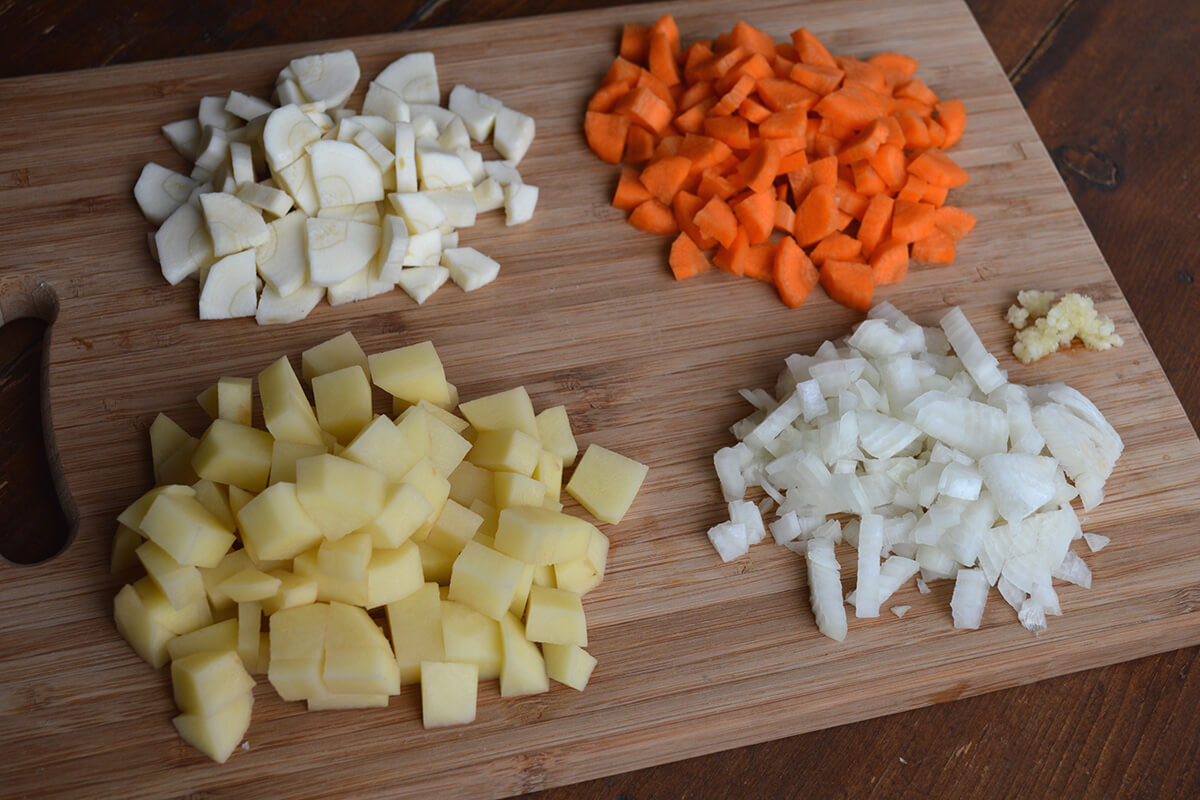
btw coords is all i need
(717, 221)
(952, 115)
(954, 222)
(712, 184)
(913, 191)
(704, 152)
(935, 195)
(662, 60)
(916, 132)
(866, 179)
(780, 93)
(794, 274)
(622, 71)
(630, 193)
(889, 262)
(733, 131)
(695, 93)
(756, 214)
(912, 221)
(713, 67)
(891, 166)
(792, 161)
(783, 66)
(848, 282)
(686, 205)
(895, 132)
(785, 216)
(934, 166)
(824, 171)
(936, 248)
(635, 41)
(882, 103)
(817, 216)
(810, 50)
(692, 120)
(896, 67)
(665, 25)
(733, 99)
(639, 145)
(849, 200)
(648, 80)
(863, 72)
(759, 262)
(865, 144)
(908, 104)
(753, 111)
(837, 246)
(733, 258)
(791, 144)
(876, 222)
(687, 259)
(606, 97)
(753, 39)
(916, 89)
(695, 55)
(754, 65)
(653, 216)
(937, 134)
(643, 107)
(816, 77)
(761, 167)
(667, 146)
(665, 177)
(606, 135)
(847, 107)
(789, 123)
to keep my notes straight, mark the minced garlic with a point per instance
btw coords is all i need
(1044, 325)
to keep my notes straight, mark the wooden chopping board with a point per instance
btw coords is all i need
(695, 656)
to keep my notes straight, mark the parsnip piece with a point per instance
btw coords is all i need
(373, 147)
(233, 225)
(519, 201)
(229, 288)
(413, 77)
(241, 163)
(212, 114)
(469, 268)
(344, 174)
(183, 244)
(362, 212)
(474, 161)
(282, 259)
(513, 134)
(457, 204)
(442, 118)
(421, 282)
(477, 110)
(384, 102)
(489, 195)
(406, 160)
(287, 132)
(328, 77)
(274, 202)
(274, 309)
(393, 246)
(246, 107)
(338, 248)
(355, 288)
(296, 179)
(214, 148)
(184, 136)
(439, 168)
(159, 191)
(419, 212)
(503, 172)
(454, 136)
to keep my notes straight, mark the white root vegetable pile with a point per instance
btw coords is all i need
(944, 468)
(303, 199)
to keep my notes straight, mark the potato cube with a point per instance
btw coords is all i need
(343, 400)
(404, 511)
(146, 636)
(448, 693)
(294, 590)
(286, 410)
(229, 398)
(541, 536)
(523, 671)
(469, 483)
(521, 592)
(234, 561)
(339, 495)
(204, 683)
(416, 625)
(297, 642)
(249, 619)
(393, 574)
(581, 575)
(328, 701)
(555, 616)
(165, 438)
(549, 472)
(447, 448)
(453, 528)
(221, 635)
(234, 454)
(358, 658)
(249, 585)
(181, 583)
(177, 467)
(451, 420)
(411, 373)
(485, 579)
(238, 498)
(511, 409)
(125, 543)
(507, 450)
(186, 530)
(512, 490)
(195, 614)
(554, 431)
(207, 400)
(346, 558)
(275, 525)
(605, 483)
(472, 638)
(215, 497)
(543, 575)
(135, 512)
(569, 664)
(285, 454)
(217, 736)
(436, 564)
(435, 488)
(333, 354)
(389, 449)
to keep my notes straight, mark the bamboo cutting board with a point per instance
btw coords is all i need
(694, 655)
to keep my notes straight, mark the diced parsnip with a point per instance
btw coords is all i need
(344, 174)
(469, 268)
(519, 201)
(229, 288)
(513, 134)
(274, 309)
(184, 136)
(328, 77)
(413, 77)
(274, 202)
(502, 172)
(212, 114)
(214, 149)
(406, 158)
(287, 133)
(246, 107)
(233, 225)
(159, 191)
(338, 248)
(384, 102)
(457, 204)
(440, 168)
(476, 109)
(440, 118)
(281, 259)
(183, 244)
(489, 195)
(419, 212)
(421, 282)
(296, 179)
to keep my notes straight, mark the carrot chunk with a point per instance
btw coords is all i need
(817, 216)
(889, 262)
(876, 222)
(789, 123)
(954, 222)
(643, 107)
(686, 205)
(936, 248)
(756, 213)
(953, 117)
(896, 67)
(868, 141)
(934, 166)
(837, 246)
(794, 274)
(733, 131)
(606, 135)
(630, 193)
(810, 50)
(717, 221)
(687, 259)
(761, 167)
(635, 42)
(653, 216)
(912, 221)
(662, 60)
(848, 282)
(780, 93)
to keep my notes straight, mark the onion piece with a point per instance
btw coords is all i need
(969, 598)
(825, 588)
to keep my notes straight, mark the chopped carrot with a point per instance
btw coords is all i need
(780, 93)
(696, 54)
(733, 258)
(752, 39)
(916, 89)
(643, 107)
(692, 120)
(687, 259)
(665, 25)
(686, 205)
(662, 61)
(952, 115)
(849, 283)
(849, 200)
(733, 131)
(791, 122)
(606, 97)
(792, 161)
(895, 132)
(759, 262)
(795, 276)
(865, 144)
(934, 166)
(665, 177)
(761, 167)
(695, 93)
(916, 132)
(785, 216)
(630, 193)
(913, 191)
(937, 134)
(753, 111)
(810, 50)
(622, 71)
(732, 100)
(653, 216)
(816, 217)
(936, 248)
(935, 195)
(923, 111)
(896, 67)
(717, 221)
(890, 164)
(912, 221)
(648, 80)
(606, 135)
(717, 65)
(954, 222)
(783, 66)
(703, 151)
(876, 222)
(635, 41)
(824, 171)
(848, 107)
(889, 262)
(863, 72)
(639, 145)
(756, 213)
(755, 66)
(866, 179)
(712, 184)
(818, 78)
(881, 102)
(837, 246)
(667, 146)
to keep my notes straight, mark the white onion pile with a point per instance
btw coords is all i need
(943, 467)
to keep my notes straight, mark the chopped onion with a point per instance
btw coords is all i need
(900, 611)
(825, 588)
(969, 599)
(1096, 542)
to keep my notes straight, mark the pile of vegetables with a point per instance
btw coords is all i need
(910, 445)
(733, 139)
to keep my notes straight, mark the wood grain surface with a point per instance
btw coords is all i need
(1135, 758)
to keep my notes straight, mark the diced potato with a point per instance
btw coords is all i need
(569, 664)
(230, 399)
(416, 626)
(390, 449)
(285, 454)
(448, 693)
(554, 430)
(523, 671)
(505, 450)
(234, 561)
(234, 454)
(218, 636)
(217, 736)
(177, 467)
(125, 543)
(342, 569)
(485, 579)
(411, 373)
(343, 400)
(404, 512)
(393, 574)
(436, 489)
(521, 593)
(147, 637)
(490, 516)
(195, 614)
(328, 701)
(471, 638)
(186, 530)
(249, 585)
(215, 497)
(512, 489)
(605, 483)
(581, 575)
(446, 447)
(504, 410)
(275, 525)
(358, 658)
(543, 575)
(206, 682)
(555, 616)
(333, 354)
(181, 583)
(294, 590)
(549, 472)
(249, 619)
(541, 536)
(453, 528)
(135, 512)
(166, 437)
(469, 483)
(442, 414)
(339, 495)
(286, 410)
(297, 637)
(238, 498)
(435, 564)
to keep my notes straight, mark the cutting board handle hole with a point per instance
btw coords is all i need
(40, 517)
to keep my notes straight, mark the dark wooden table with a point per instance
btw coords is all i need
(1111, 87)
